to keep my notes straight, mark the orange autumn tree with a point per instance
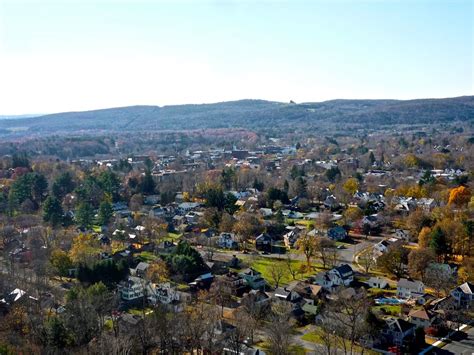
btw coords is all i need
(459, 196)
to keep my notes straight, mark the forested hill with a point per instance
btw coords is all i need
(251, 114)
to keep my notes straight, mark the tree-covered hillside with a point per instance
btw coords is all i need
(250, 114)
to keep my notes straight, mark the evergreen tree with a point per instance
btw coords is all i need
(148, 184)
(52, 211)
(110, 184)
(258, 185)
(63, 185)
(39, 188)
(438, 242)
(300, 187)
(84, 215)
(371, 158)
(105, 213)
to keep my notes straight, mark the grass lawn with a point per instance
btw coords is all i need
(313, 337)
(139, 312)
(294, 349)
(377, 292)
(147, 256)
(96, 228)
(262, 265)
(174, 236)
(388, 309)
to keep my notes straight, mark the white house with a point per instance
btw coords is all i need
(162, 293)
(377, 282)
(410, 289)
(340, 276)
(131, 289)
(227, 241)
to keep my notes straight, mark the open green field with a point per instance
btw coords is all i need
(263, 265)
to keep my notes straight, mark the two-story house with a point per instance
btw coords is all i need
(410, 288)
(422, 318)
(131, 289)
(227, 241)
(162, 293)
(340, 276)
(253, 278)
(463, 295)
(396, 331)
(337, 233)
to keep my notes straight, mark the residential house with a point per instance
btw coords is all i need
(410, 289)
(441, 268)
(255, 298)
(163, 293)
(192, 217)
(340, 276)
(264, 242)
(286, 294)
(131, 289)
(381, 247)
(162, 212)
(186, 207)
(372, 221)
(331, 202)
(337, 233)
(422, 318)
(121, 209)
(291, 237)
(151, 199)
(253, 278)
(266, 212)
(202, 282)
(463, 295)
(398, 331)
(292, 214)
(377, 282)
(166, 246)
(403, 204)
(140, 270)
(427, 204)
(402, 234)
(178, 220)
(227, 241)
(232, 283)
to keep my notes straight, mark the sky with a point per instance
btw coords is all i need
(65, 55)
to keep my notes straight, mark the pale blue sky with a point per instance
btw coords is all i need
(76, 55)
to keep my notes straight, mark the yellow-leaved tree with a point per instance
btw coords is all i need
(84, 250)
(351, 186)
(424, 237)
(459, 196)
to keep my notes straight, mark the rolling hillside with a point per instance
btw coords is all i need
(250, 114)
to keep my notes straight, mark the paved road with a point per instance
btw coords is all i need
(461, 344)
